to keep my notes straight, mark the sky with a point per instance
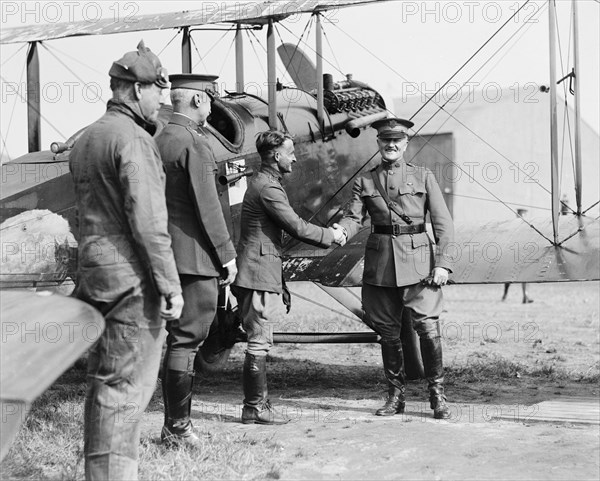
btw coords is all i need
(400, 48)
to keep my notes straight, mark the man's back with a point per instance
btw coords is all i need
(201, 241)
(116, 170)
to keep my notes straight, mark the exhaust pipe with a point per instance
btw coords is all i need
(353, 126)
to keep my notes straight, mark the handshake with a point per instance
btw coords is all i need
(340, 236)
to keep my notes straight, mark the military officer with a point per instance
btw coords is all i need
(201, 244)
(402, 269)
(266, 213)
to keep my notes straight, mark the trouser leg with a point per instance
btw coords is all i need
(186, 334)
(255, 309)
(383, 313)
(122, 372)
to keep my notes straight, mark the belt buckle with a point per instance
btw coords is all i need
(395, 229)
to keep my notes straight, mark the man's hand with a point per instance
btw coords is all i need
(231, 271)
(439, 276)
(339, 234)
(170, 309)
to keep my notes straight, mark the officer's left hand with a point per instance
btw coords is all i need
(439, 276)
(230, 273)
(170, 309)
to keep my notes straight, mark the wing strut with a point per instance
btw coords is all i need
(578, 173)
(239, 59)
(33, 99)
(186, 51)
(319, 48)
(272, 76)
(554, 187)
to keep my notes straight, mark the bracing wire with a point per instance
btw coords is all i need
(255, 52)
(64, 64)
(169, 42)
(566, 116)
(313, 50)
(472, 56)
(15, 53)
(290, 62)
(226, 56)
(65, 54)
(308, 27)
(312, 301)
(12, 113)
(39, 113)
(209, 50)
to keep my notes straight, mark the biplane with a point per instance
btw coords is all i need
(330, 120)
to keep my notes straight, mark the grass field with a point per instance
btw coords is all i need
(495, 352)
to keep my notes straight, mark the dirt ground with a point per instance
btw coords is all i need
(505, 362)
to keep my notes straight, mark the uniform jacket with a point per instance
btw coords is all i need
(122, 214)
(266, 213)
(201, 241)
(404, 259)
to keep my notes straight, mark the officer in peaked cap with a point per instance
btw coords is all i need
(202, 246)
(119, 186)
(392, 128)
(402, 270)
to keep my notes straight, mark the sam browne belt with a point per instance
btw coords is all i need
(398, 229)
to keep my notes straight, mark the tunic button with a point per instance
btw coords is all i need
(391, 172)
(392, 187)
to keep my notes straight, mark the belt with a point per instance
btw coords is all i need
(398, 229)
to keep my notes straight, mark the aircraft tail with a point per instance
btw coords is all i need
(300, 68)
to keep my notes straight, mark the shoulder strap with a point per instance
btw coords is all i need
(391, 205)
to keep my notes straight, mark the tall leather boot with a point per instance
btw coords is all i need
(431, 351)
(393, 365)
(177, 394)
(257, 408)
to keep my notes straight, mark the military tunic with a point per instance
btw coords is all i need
(201, 241)
(395, 265)
(266, 214)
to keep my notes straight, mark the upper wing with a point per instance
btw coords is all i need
(497, 252)
(256, 13)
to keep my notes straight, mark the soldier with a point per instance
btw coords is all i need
(126, 267)
(401, 269)
(266, 213)
(201, 244)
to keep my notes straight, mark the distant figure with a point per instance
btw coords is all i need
(266, 214)
(402, 271)
(564, 205)
(526, 299)
(126, 267)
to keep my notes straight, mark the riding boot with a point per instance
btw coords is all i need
(431, 351)
(257, 408)
(393, 365)
(177, 395)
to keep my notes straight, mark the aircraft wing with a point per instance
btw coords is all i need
(497, 252)
(41, 337)
(255, 13)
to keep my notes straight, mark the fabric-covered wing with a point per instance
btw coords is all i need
(496, 252)
(41, 337)
(256, 13)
